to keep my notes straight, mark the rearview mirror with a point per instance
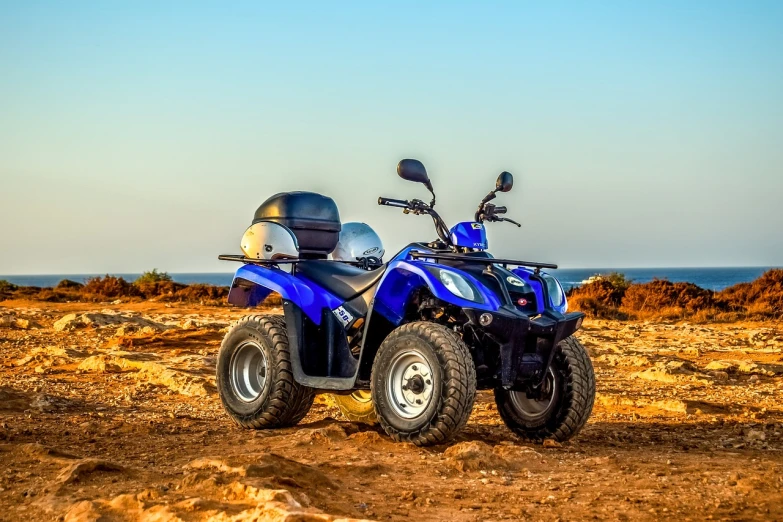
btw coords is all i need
(504, 183)
(413, 170)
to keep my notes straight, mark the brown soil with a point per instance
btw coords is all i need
(112, 415)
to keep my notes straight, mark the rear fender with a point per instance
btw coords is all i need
(253, 284)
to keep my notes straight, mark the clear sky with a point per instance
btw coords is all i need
(141, 134)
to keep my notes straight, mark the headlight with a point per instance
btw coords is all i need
(457, 285)
(555, 291)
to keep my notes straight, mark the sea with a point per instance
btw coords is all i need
(710, 278)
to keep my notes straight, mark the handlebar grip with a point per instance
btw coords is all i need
(500, 210)
(393, 202)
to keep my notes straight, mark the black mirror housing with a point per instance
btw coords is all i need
(505, 182)
(413, 170)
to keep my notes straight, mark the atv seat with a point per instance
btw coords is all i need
(343, 280)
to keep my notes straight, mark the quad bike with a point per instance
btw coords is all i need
(408, 341)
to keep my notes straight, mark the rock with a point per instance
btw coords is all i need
(189, 324)
(240, 491)
(551, 443)
(656, 374)
(100, 363)
(41, 452)
(719, 375)
(725, 366)
(102, 319)
(325, 435)
(84, 511)
(408, 496)
(84, 467)
(266, 465)
(366, 437)
(473, 456)
(746, 367)
(683, 367)
(755, 435)
(25, 324)
(10, 321)
(152, 372)
(126, 329)
(126, 503)
(68, 322)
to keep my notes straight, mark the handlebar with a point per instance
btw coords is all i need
(401, 203)
(500, 210)
(418, 207)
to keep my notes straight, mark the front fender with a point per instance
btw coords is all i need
(252, 284)
(403, 277)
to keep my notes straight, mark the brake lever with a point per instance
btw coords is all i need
(510, 221)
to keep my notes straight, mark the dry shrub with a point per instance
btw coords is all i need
(158, 289)
(595, 307)
(201, 292)
(663, 297)
(600, 298)
(67, 284)
(109, 287)
(153, 276)
(602, 292)
(7, 289)
(762, 297)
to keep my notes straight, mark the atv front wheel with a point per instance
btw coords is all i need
(565, 403)
(357, 407)
(423, 384)
(254, 377)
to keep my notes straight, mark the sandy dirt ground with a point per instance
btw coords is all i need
(109, 412)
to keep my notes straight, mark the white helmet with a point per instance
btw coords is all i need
(267, 240)
(358, 241)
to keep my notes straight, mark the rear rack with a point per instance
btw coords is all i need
(252, 261)
(273, 262)
(482, 260)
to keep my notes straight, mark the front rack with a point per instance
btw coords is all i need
(482, 260)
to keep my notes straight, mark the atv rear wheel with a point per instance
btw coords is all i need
(423, 384)
(357, 407)
(566, 400)
(254, 377)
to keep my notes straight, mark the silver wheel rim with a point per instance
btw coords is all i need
(536, 409)
(410, 385)
(248, 371)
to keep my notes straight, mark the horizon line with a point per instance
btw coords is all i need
(559, 268)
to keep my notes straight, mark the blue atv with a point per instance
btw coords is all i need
(418, 334)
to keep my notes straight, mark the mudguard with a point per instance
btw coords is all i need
(252, 284)
(403, 277)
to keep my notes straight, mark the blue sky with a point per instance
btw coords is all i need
(144, 134)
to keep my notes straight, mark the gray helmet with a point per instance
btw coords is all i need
(358, 241)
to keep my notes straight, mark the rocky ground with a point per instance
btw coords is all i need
(113, 415)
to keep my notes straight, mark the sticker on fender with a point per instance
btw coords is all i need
(343, 315)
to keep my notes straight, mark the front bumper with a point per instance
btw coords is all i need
(527, 345)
